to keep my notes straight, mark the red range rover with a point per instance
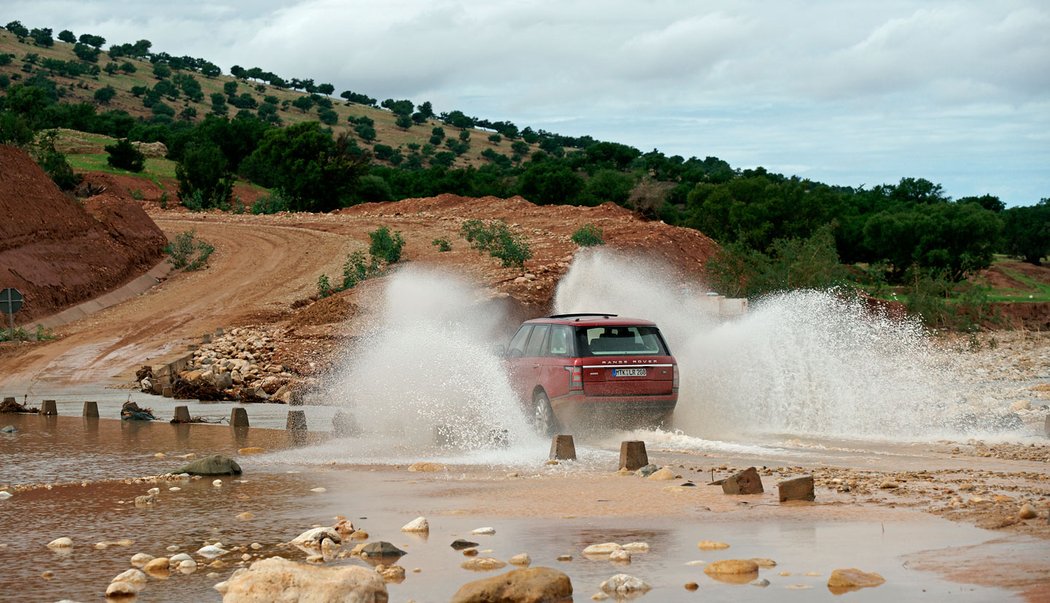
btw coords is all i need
(593, 370)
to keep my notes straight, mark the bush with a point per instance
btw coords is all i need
(324, 288)
(497, 239)
(356, 270)
(384, 246)
(588, 235)
(54, 163)
(188, 252)
(123, 155)
(276, 201)
(442, 244)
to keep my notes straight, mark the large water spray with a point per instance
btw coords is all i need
(800, 363)
(426, 378)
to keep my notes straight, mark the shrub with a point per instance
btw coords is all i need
(355, 269)
(276, 201)
(588, 235)
(497, 239)
(442, 244)
(385, 246)
(188, 252)
(123, 155)
(324, 288)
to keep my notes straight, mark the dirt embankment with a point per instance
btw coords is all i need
(58, 252)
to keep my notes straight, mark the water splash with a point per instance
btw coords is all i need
(802, 363)
(425, 380)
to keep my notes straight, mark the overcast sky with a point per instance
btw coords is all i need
(852, 93)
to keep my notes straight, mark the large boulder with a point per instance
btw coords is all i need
(282, 581)
(215, 464)
(532, 585)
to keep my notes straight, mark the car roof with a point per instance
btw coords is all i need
(589, 319)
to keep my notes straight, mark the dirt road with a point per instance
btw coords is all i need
(256, 269)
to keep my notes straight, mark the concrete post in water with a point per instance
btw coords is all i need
(1046, 426)
(9, 400)
(239, 417)
(91, 410)
(167, 392)
(343, 424)
(48, 408)
(563, 448)
(296, 426)
(744, 482)
(182, 414)
(219, 332)
(800, 488)
(206, 338)
(632, 455)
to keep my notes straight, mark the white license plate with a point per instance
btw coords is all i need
(628, 372)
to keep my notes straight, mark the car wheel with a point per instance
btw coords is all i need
(542, 415)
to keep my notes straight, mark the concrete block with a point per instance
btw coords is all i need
(9, 400)
(219, 332)
(167, 392)
(239, 417)
(633, 455)
(563, 448)
(48, 408)
(1046, 426)
(343, 424)
(90, 410)
(206, 338)
(296, 420)
(800, 488)
(744, 482)
(182, 414)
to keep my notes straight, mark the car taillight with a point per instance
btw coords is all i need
(575, 377)
(674, 384)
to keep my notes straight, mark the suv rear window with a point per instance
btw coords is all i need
(619, 341)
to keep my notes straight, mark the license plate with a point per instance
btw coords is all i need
(628, 372)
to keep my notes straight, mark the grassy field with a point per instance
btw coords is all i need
(156, 168)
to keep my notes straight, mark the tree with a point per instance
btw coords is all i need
(303, 103)
(328, 117)
(92, 40)
(85, 52)
(105, 94)
(204, 176)
(403, 121)
(161, 70)
(67, 36)
(1027, 231)
(326, 89)
(42, 37)
(318, 172)
(125, 156)
(548, 182)
(989, 202)
(230, 88)
(20, 31)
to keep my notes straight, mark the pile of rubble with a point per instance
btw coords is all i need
(236, 365)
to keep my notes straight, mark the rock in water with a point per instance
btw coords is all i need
(278, 579)
(532, 585)
(61, 543)
(312, 539)
(844, 580)
(622, 584)
(711, 545)
(521, 559)
(419, 524)
(459, 544)
(487, 531)
(483, 564)
(381, 549)
(1027, 512)
(800, 488)
(215, 464)
(602, 549)
(734, 571)
(744, 482)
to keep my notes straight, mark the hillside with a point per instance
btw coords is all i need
(58, 252)
(82, 88)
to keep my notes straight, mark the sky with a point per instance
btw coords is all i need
(855, 93)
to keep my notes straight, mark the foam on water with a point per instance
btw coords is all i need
(428, 363)
(802, 363)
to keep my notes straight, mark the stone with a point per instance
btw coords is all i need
(663, 474)
(459, 544)
(132, 576)
(319, 490)
(391, 573)
(278, 579)
(731, 566)
(312, 539)
(61, 543)
(1027, 511)
(381, 549)
(521, 559)
(215, 464)
(211, 551)
(483, 531)
(483, 564)
(691, 586)
(799, 488)
(217, 483)
(844, 580)
(531, 585)
(764, 563)
(140, 559)
(760, 582)
(888, 484)
(250, 450)
(633, 455)
(564, 558)
(470, 552)
(145, 500)
(602, 549)
(745, 482)
(419, 524)
(647, 470)
(158, 567)
(623, 584)
(246, 516)
(636, 547)
(711, 545)
(120, 590)
(187, 566)
(620, 556)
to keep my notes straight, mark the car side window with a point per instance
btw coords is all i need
(560, 341)
(516, 348)
(536, 341)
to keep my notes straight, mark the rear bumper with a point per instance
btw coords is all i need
(578, 406)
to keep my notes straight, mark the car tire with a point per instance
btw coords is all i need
(542, 416)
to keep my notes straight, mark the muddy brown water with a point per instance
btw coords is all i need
(85, 460)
